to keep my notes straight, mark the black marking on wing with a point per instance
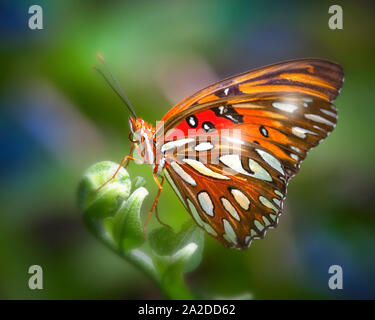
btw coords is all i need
(229, 113)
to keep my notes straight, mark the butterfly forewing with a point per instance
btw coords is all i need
(288, 126)
(316, 77)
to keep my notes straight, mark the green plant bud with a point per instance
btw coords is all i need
(102, 203)
(127, 226)
(112, 213)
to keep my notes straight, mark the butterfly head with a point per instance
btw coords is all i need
(140, 130)
(142, 134)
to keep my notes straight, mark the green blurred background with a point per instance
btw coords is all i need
(58, 117)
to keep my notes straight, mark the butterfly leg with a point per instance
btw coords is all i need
(124, 163)
(128, 157)
(156, 208)
(154, 205)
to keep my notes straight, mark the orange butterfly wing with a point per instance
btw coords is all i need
(317, 77)
(285, 110)
(232, 196)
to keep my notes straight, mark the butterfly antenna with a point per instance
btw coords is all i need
(116, 87)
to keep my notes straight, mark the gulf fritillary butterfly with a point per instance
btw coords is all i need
(281, 111)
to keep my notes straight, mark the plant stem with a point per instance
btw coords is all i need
(176, 290)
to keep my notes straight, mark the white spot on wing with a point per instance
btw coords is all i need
(264, 131)
(266, 222)
(206, 203)
(192, 121)
(174, 144)
(253, 233)
(229, 207)
(279, 193)
(233, 161)
(203, 146)
(201, 168)
(329, 113)
(259, 171)
(294, 156)
(273, 217)
(319, 128)
(209, 229)
(277, 201)
(267, 203)
(195, 213)
(295, 149)
(287, 107)
(259, 226)
(301, 133)
(174, 187)
(241, 198)
(198, 219)
(271, 160)
(319, 119)
(248, 241)
(229, 234)
(183, 174)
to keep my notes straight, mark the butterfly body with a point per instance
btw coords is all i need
(143, 133)
(229, 150)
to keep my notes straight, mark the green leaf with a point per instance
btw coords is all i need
(102, 203)
(127, 227)
(165, 242)
(171, 270)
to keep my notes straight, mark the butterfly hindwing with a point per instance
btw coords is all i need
(229, 189)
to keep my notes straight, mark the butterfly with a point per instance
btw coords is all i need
(230, 149)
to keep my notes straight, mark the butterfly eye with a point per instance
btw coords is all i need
(131, 137)
(208, 126)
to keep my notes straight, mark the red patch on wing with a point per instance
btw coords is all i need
(206, 116)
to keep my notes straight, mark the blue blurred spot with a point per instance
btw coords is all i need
(18, 149)
(321, 250)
